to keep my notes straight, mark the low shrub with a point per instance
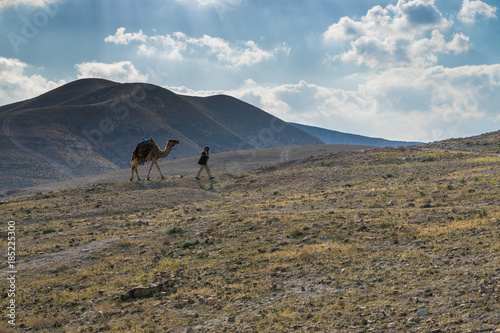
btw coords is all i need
(187, 244)
(48, 231)
(175, 230)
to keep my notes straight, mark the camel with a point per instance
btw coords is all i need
(148, 150)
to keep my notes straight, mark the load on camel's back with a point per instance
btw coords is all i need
(147, 150)
(142, 150)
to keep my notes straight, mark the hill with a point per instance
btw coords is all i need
(334, 138)
(91, 126)
(388, 239)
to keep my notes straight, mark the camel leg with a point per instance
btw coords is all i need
(136, 171)
(151, 167)
(134, 168)
(132, 178)
(153, 162)
(159, 171)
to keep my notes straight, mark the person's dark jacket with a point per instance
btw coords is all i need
(203, 159)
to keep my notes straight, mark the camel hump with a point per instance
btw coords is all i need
(146, 142)
(142, 150)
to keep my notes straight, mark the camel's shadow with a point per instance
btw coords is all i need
(147, 184)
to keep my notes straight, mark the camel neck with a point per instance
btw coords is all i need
(167, 150)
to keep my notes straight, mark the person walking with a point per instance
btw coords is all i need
(203, 163)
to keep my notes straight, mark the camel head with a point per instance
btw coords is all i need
(172, 142)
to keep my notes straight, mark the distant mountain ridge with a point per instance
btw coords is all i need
(91, 126)
(336, 138)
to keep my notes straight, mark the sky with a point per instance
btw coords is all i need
(413, 70)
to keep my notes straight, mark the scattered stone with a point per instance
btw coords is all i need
(490, 306)
(422, 312)
(146, 291)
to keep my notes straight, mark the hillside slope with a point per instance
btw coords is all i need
(91, 126)
(388, 239)
(236, 161)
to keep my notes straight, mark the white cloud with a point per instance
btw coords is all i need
(407, 19)
(396, 36)
(34, 3)
(471, 9)
(448, 100)
(15, 85)
(459, 44)
(170, 47)
(426, 104)
(179, 46)
(345, 29)
(424, 51)
(246, 54)
(120, 37)
(420, 14)
(123, 71)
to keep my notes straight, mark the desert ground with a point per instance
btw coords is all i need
(364, 240)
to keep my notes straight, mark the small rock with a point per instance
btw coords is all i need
(144, 291)
(490, 306)
(422, 312)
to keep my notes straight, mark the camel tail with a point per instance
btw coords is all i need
(135, 154)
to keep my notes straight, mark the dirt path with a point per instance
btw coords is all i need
(64, 257)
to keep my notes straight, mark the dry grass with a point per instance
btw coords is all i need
(276, 249)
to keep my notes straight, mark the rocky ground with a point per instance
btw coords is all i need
(385, 240)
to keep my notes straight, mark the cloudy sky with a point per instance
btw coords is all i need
(420, 70)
